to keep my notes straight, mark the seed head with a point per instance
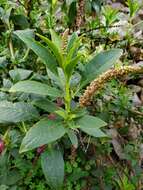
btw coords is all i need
(65, 39)
(98, 83)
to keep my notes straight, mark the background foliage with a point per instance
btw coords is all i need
(44, 70)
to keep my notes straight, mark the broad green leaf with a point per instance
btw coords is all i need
(6, 15)
(100, 63)
(53, 168)
(35, 87)
(73, 138)
(55, 79)
(10, 177)
(56, 39)
(75, 80)
(19, 74)
(4, 187)
(61, 78)
(45, 105)
(43, 132)
(43, 52)
(20, 20)
(16, 112)
(91, 125)
(54, 49)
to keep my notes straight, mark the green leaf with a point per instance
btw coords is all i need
(72, 40)
(19, 74)
(99, 64)
(41, 51)
(73, 138)
(43, 132)
(55, 79)
(54, 49)
(28, 86)
(61, 78)
(96, 5)
(45, 105)
(71, 15)
(56, 39)
(16, 112)
(61, 112)
(53, 168)
(54, 2)
(91, 125)
(20, 20)
(71, 65)
(3, 187)
(6, 15)
(10, 177)
(73, 51)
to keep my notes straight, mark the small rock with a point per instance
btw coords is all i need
(133, 132)
(136, 101)
(140, 13)
(135, 88)
(117, 6)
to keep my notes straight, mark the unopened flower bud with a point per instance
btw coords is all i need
(52, 116)
(2, 146)
(41, 149)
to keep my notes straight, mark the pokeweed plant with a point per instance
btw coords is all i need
(61, 57)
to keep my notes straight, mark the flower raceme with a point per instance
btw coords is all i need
(99, 82)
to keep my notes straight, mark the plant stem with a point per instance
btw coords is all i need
(26, 54)
(67, 96)
(11, 49)
(24, 127)
(8, 26)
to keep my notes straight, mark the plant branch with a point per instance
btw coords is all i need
(98, 28)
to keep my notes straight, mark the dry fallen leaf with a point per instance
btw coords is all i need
(113, 133)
